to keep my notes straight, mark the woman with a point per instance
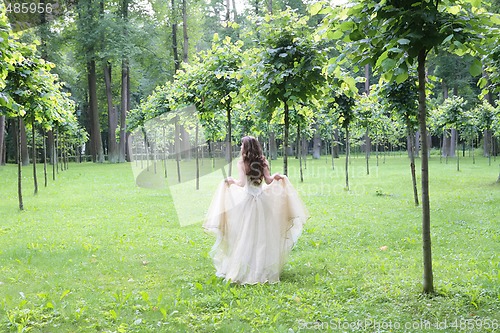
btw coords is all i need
(256, 218)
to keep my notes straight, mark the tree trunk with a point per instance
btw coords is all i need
(411, 151)
(177, 144)
(445, 148)
(333, 151)
(299, 153)
(54, 155)
(428, 283)
(453, 143)
(316, 143)
(174, 38)
(2, 140)
(96, 149)
(347, 150)
(285, 139)
(235, 13)
(125, 92)
(25, 156)
(229, 150)
(112, 118)
(185, 32)
(487, 143)
(19, 165)
(44, 140)
(197, 156)
(228, 11)
(336, 152)
(368, 146)
(35, 179)
(273, 150)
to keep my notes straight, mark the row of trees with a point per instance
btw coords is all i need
(111, 55)
(32, 98)
(293, 75)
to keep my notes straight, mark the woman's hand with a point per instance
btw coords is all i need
(229, 181)
(277, 176)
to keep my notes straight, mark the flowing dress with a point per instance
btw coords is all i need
(255, 228)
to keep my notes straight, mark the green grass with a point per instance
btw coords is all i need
(93, 252)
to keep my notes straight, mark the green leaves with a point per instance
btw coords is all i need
(476, 68)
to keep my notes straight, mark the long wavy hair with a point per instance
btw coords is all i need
(253, 159)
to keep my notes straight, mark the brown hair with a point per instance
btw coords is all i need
(253, 159)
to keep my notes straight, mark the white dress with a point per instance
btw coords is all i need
(255, 228)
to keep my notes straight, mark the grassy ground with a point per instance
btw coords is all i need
(93, 252)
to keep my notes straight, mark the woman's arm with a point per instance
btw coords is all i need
(241, 173)
(268, 177)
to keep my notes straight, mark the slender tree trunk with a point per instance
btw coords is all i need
(44, 158)
(285, 140)
(229, 146)
(333, 151)
(177, 144)
(25, 156)
(165, 151)
(273, 150)
(299, 152)
(411, 151)
(174, 37)
(368, 145)
(95, 127)
(235, 13)
(185, 32)
(35, 179)
(54, 155)
(347, 151)
(19, 165)
(125, 91)
(112, 119)
(428, 280)
(316, 143)
(197, 157)
(2, 140)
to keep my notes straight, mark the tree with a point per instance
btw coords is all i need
(392, 37)
(89, 39)
(220, 82)
(343, 103)
(31, 94)
(287, 67)
(452, 115)
(402, 102)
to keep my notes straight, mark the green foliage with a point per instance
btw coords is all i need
(402, 100)
(286, 67)
(344, 109)
(31, 91)
(389, 36)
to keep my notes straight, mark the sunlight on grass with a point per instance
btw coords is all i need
(95, 252)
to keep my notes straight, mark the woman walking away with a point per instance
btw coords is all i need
(256, 219)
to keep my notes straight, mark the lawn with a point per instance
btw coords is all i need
(94, 252)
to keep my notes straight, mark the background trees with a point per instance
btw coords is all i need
(276, 71)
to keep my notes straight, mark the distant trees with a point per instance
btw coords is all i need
(31, 96)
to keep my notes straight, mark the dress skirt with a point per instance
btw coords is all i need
(255, 228)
